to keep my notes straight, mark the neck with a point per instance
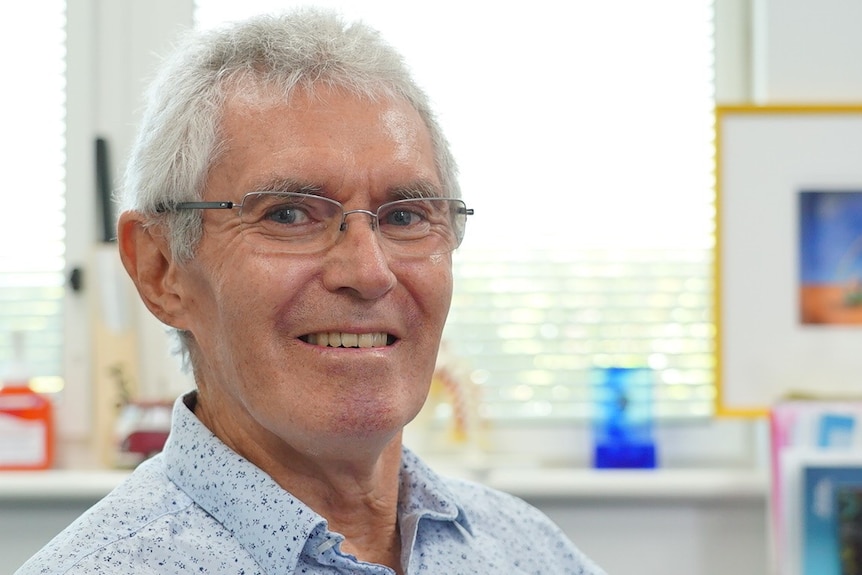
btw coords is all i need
(359, 502)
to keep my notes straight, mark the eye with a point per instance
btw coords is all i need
(402, 216)
(287, 214)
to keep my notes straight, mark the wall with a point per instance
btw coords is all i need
(807, 51)
(649, 537)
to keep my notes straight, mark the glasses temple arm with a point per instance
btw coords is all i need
(161, 208)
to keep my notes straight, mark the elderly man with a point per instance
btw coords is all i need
(290, 209)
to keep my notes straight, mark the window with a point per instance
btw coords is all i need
(584, 136)
(32, 222)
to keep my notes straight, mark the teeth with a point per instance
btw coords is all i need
(349, 340)
(337, 339)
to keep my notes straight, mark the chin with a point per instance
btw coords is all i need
(373, 422)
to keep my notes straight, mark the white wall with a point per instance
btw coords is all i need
(807, 51)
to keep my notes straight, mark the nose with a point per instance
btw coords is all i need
(357, 262)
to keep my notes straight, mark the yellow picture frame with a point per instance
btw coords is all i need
(765, 156)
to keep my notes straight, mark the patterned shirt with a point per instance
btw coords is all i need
(199, 507)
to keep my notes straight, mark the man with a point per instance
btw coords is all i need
(290, 209)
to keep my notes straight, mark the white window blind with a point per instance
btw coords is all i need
(584, 133)
(32, 221)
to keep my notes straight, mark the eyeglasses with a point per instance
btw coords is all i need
(299, 223)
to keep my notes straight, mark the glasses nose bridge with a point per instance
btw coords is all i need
(372, 215)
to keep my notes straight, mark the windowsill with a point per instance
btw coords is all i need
(59, 484)
(580, 484)
(631, 484)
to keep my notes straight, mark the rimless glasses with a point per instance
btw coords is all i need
(302, 223)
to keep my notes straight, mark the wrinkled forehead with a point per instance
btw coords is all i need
(334, 140)
(392, 114)
(398, 117)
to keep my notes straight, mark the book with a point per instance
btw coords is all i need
(822, 505)
(803, 432)
(849, 512)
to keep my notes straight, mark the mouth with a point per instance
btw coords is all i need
(342, 339)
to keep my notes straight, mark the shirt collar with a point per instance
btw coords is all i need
(271, 524)
(424, 494)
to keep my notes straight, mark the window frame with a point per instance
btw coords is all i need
(112, 49)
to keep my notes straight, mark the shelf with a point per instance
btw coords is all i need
(58, 484)
(531, 483)
(677, 484)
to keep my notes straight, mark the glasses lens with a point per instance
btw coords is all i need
(301, 223)
(423, 226)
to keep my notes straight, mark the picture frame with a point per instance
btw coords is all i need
(766, 156)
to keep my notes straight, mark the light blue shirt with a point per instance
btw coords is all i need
(199, 507)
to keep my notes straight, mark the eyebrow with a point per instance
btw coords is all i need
(421, 188)
(414, 190)
(287, 185)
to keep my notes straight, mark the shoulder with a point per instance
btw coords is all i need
(518, 530)
(490, 530)
(485, 506)
(137, 515)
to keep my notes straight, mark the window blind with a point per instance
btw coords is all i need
(584, 133)
(32, 221)
(532, 326)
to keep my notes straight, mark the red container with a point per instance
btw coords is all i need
(26, 429)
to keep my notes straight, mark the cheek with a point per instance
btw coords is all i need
(232, 301)
(430, 284)
(441, 267)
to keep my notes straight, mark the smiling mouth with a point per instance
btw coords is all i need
(341, 339)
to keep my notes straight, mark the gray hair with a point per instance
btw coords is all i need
(179, 136)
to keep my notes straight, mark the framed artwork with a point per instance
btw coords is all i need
(788, 254)
(830, 257)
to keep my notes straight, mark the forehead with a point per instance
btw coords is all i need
(329, 138)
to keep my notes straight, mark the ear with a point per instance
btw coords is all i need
(147, 257)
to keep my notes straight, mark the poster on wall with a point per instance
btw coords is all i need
(830, 257)
(789, 254)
